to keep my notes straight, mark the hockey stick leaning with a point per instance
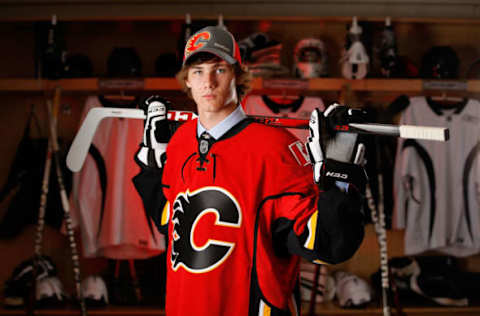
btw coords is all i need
(65, 202)
(43, 198)
(81, 144)
(38, 241)
(43, 202)
(46, 180)
(378, 219)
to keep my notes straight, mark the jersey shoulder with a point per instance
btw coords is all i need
(277, 142)
(270, 136)
(184, 131)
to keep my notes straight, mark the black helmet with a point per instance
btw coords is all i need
(78, 66)
(124, 62)
(440, 62)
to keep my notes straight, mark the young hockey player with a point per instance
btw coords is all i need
(236, 198)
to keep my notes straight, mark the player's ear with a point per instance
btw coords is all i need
(187, 82)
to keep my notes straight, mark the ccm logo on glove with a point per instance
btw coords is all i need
(338, 175)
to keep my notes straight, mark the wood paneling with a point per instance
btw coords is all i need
(111, 9)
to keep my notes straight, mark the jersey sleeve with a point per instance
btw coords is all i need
(149, 185)
(321, 226)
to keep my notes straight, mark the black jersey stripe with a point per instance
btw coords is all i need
(102, 176)
(466, 173)
(427, 162)
(255, 291)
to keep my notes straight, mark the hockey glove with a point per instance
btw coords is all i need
(156, 133)
(336, 156)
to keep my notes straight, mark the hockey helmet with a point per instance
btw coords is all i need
(94, 291)
(310, 57)
(440, 62)
(78, 66)
(252, 43)
(351, 290)
(16, 287)
(355, 60)
(49, 292)
(262, 55)
(124, 62)
(25, 270)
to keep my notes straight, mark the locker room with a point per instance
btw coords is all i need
(81, 242)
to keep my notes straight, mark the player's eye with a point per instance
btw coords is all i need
(221, 70)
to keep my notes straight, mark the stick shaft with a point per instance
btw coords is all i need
(64, 200)
(46, 176)
(81, 143)
(43, 201)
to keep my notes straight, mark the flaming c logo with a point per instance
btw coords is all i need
(197, 41)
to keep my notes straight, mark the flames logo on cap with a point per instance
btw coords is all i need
(195, 42)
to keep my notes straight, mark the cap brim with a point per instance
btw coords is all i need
(229, 59)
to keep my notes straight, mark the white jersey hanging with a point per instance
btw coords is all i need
(437, 184)
(105, 204)
(300, 107)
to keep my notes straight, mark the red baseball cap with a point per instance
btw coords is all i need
(215, 40)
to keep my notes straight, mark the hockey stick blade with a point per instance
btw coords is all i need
(81, 143)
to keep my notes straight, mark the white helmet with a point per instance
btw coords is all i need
(352, 291)
(355, 60)
(94, 291)
(310, 58)
(49, 292)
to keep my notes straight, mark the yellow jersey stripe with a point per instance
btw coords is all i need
(165, 214)
(318, 261)
(264, 309)
(312, 228)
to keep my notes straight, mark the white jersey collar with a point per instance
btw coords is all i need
(225, 125)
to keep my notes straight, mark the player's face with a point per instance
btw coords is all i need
(212, 86)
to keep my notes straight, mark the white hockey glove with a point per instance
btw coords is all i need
(336, 156)
(156, 133)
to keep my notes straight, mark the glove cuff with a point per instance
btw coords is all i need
(333, 170)
(151, 157)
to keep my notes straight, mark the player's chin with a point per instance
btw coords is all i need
(211, 105)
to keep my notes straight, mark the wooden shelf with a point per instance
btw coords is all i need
(332, 309)
(326, 309)
(259, 84)
(107, 311)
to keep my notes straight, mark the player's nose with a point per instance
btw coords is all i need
(211, 80)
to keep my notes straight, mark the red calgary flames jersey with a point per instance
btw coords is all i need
(233, 204)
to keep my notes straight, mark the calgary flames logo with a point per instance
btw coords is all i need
(188, 210)
(197, 41)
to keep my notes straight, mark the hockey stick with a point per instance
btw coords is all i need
(43, 202)
(38, 242)
(82, 141)
(45, 183)
(378, 219)
(65, 202)
(135, 281)
(313, 294)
